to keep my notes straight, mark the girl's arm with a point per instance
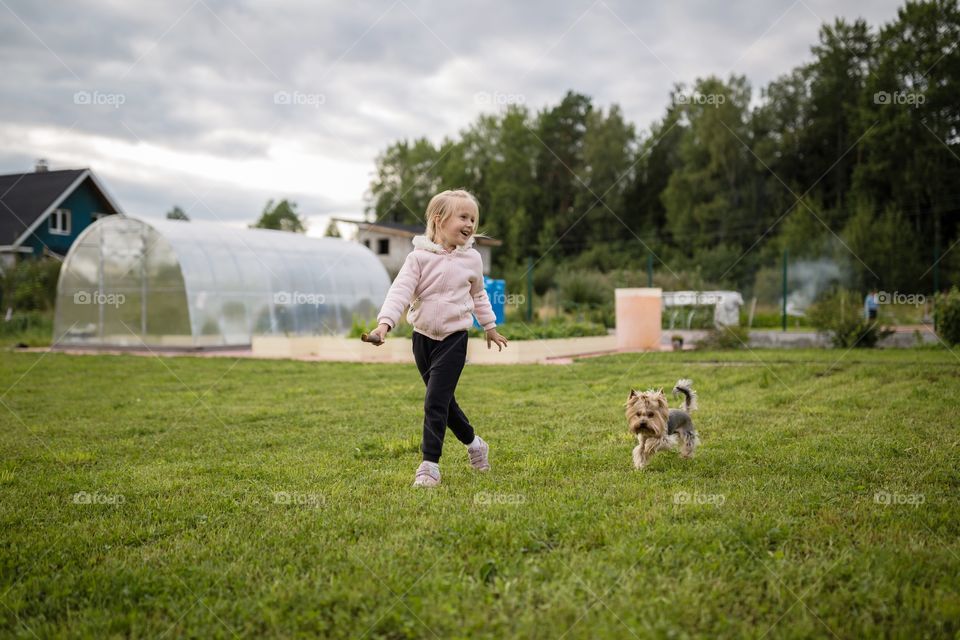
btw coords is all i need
(484, 312)
(481, 304)
(400, 293)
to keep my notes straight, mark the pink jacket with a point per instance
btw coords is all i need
(445, 287)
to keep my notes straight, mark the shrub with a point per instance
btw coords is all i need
(32, 328)
(516, 330)
(358, 326)
(31, 285)
(840, 315)
(556, 328)
(584, 288)
(724, 338)
(948, 316)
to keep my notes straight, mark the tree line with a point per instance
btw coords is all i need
(853, 156)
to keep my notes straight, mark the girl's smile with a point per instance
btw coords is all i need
(457, 229)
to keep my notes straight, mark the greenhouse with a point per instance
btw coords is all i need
(129, 282)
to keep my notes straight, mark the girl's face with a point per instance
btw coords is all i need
(458, 227)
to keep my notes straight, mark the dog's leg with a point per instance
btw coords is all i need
(639, 459)
(689, 441)
(650, 447)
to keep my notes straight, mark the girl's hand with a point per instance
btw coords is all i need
(381, 332)
(493, 336)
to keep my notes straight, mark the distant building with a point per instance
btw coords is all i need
(43, 212)
(391, 242)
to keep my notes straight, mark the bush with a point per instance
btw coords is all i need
(948, 316)
(31, 328)
(724, 338)
(31, 285)
(584, 288)
(358, 326)
(840, 315)
(555, 328)
(771, 319)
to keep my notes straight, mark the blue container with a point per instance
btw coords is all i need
(497, 292)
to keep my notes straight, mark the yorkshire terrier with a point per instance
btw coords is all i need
(659, 427)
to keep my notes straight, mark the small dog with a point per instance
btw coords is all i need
(659, 427)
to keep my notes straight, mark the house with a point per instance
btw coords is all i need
(391, 242)
(43, 212)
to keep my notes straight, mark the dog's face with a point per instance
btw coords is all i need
(647, 412)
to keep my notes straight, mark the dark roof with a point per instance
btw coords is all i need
(415, 229)
(409, 230)
(25, 196)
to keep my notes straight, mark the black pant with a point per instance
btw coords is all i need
(440, 363)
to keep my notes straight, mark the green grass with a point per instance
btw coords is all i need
(32, 328)
(270, 498)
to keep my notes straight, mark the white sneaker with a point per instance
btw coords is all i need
(478, 452)
(428, 475)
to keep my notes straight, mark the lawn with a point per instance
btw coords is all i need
(187, 497)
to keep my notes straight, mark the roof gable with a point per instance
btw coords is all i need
(25, 197)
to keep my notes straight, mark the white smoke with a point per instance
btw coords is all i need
(806, 280)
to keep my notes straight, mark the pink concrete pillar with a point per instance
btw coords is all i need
(638, 318)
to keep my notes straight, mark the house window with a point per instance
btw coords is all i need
(366, 243)
(60, 222)
(383, 246)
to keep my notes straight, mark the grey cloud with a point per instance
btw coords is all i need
(386, 71)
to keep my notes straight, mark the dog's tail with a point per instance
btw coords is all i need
(685, 386)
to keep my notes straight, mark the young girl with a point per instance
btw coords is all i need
(443, 276)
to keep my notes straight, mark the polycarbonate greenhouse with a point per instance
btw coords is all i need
(130, 282)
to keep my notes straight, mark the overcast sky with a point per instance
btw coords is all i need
(218, 106)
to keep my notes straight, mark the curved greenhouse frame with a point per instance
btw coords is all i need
(133, 282)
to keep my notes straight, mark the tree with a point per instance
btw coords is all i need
(282, 217)
(911, 150)
(708, 197)
(332, 230)
(837, 78)
(511, 186)
(177, 214)
(609, 146)
(560, 132)
(406, 180)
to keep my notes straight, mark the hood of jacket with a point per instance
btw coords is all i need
(422, 242)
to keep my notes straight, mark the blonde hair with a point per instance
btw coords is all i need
(445, 204)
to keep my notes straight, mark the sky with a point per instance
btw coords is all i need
(219, 106)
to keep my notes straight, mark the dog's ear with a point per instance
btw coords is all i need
(634, 394)
(662, 400)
